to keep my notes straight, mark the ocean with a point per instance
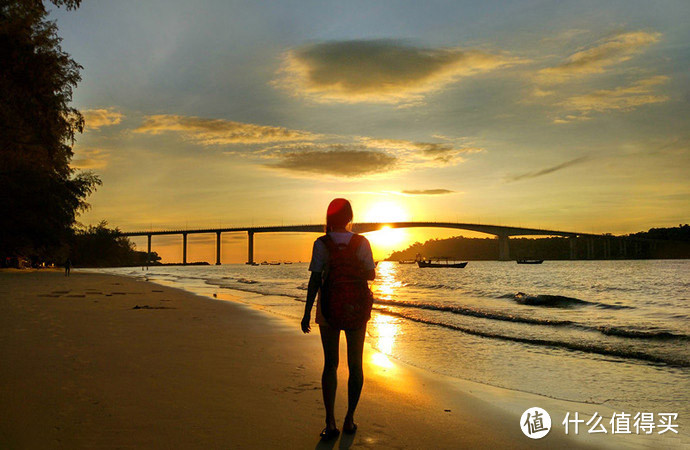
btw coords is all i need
(603, 332)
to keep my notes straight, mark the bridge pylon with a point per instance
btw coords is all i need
(503, 248)
(250, 247)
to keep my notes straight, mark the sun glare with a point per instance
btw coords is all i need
(387, 239)
(386, 212)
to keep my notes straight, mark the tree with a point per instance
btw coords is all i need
(100, 246)
(40, 194)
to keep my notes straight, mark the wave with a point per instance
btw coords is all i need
(587, 348)
(242, 284)
(495, 315)
(558, 301)
(641, 334)
(463, 310)
(429, 286)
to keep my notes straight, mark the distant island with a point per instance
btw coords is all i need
(657, 243)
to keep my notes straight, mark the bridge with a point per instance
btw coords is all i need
(501, 232)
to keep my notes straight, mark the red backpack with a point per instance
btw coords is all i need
(346, 299)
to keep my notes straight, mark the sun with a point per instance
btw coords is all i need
(387, 239)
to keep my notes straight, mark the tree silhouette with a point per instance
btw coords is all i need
(40, 194)
(100, 246)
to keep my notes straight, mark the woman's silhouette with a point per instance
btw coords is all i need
(338, 225)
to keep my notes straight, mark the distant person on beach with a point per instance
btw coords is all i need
(68, 266)
(341, 264)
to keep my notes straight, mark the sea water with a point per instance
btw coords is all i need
(604, 332)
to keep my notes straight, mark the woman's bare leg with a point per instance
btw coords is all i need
(355, 346)
(330, 340)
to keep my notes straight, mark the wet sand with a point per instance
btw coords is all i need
(104, 361)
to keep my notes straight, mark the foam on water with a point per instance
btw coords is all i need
(593, 331)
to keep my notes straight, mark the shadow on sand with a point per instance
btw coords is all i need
(345, 440)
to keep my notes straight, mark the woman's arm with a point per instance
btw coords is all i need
(312, 290)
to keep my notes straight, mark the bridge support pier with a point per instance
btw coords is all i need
(184, 249)
(573, 248)
(250, 247)
(148, 250)
(217, 248)
(503, 248)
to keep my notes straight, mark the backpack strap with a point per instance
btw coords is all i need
(328, 242)
(355, 240)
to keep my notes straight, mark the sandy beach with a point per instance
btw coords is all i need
(101, 361)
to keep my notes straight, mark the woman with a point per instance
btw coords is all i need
(338, 234)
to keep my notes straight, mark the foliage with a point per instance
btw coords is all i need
(652, 244)
(100, 246)
(41, 194)
(680, 233)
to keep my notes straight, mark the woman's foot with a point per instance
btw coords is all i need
(349, 426)
(329, 433)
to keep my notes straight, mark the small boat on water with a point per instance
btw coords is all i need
(440, 262)
(529, 261)
(406, 261)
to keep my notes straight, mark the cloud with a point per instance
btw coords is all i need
(427, 192)
(625, 98)
(542, 92)
(571, 118)
(219, 131)
(381, 71)
(432, 153)
(335, 160)
(548, 170)
(596, 59)
(97, 118)
(90, 159)
(362, 157)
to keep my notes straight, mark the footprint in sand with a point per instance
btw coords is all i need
(299, 388)
(152, 307)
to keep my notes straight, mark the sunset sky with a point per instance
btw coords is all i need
(564, 115)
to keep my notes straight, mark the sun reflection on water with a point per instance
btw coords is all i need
(386, 282)
(384, 329)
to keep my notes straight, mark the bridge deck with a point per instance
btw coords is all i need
(496, 230)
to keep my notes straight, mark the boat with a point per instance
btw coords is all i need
(406, 261)
(277, 263)
(264, 263)
(424, 263)
(529, 261)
